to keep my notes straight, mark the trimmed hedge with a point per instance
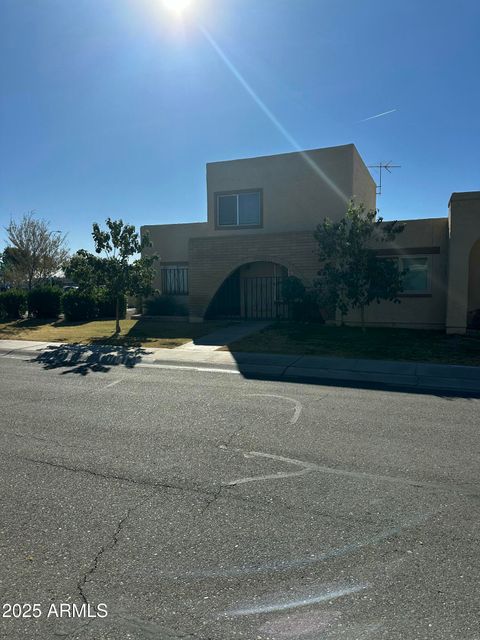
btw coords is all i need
(45, 302)
(164, 306)
(13, 304)
(79, 305)
(87, 305)
(107, 305)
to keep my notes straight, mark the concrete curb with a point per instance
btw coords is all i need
(407, 375)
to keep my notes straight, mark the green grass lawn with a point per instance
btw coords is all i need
(351, 342)
(145, 332)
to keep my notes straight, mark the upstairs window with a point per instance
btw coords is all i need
(239, 209)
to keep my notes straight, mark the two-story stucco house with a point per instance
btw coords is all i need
(261, 214)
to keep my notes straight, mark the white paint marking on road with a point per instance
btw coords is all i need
(107, 386)
(312, 466)
(283, 605)
(298, 405)
(273, 476)
(300, 563)
(307, 467)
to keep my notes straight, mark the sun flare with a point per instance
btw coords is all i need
(177, 6)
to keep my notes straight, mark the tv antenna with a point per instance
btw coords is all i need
(387, 166)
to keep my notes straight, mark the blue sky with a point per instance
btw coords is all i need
(113, 107)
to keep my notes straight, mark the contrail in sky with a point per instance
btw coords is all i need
(379, 115)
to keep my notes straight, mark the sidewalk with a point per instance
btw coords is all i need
(224, 336)
(379, 373)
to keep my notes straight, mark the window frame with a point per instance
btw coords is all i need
(238, 192)
(417, 292)
(165, 279)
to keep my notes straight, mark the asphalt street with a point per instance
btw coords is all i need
(204, 505)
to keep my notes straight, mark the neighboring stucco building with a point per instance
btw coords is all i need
(260, 221)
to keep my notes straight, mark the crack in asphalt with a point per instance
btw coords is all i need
(113, 543)
(213, 497)
(106, 476)
(226, 443)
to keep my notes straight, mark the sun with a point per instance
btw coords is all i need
(177, 6)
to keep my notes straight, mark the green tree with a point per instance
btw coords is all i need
(352, 275)
(10, 259)
(115, 270)
(35, 252)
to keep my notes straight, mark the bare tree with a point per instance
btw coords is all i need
(40, 252)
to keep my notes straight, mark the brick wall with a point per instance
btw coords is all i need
(212, 260)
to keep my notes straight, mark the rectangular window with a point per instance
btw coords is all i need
(417, 276)
(174, 280)
(227, 211)
(239, 209)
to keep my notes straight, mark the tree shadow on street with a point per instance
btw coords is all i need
(84, 359)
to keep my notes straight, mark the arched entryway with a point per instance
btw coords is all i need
(473, 315)
(253, 291)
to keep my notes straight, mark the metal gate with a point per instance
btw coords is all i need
(226, 302)
(262, 298)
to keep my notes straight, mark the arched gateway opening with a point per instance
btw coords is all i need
(252, 292)
(473, 316)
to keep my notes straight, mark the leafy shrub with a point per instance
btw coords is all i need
(293, 289)
(106, 304)
(303, 303)
(79, 305)
(13, 304)
(45, 302)
(307, 309)
(164, 305)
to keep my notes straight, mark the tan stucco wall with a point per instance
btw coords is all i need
(170, 243)
(299, 189)
(464, 231)
(364, 188)
(423, 237)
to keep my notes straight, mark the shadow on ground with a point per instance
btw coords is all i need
(445, 394)
(84, 359)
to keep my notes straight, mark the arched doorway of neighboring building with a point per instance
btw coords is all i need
(473, 314)
(253, 291)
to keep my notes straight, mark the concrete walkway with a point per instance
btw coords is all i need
(434, 378)
(222, 337)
